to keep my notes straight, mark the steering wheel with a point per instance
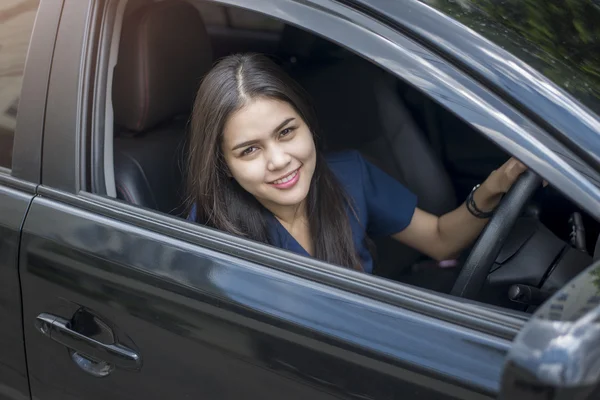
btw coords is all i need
(479, 263)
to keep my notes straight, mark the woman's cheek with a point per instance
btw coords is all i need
(304, 146)
(249, 173)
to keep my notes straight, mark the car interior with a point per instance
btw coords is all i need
(166, 47)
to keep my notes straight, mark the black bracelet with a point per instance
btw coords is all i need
(473, 209)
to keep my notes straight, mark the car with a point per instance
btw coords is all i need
(108, 291)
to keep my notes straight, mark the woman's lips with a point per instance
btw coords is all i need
(288, 181)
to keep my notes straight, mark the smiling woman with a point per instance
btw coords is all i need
(253, 127)
(256, 171)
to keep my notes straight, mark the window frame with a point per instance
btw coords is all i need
(64, 179)
(27, 142)
(556, 111)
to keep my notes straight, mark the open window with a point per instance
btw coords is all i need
(165, 48)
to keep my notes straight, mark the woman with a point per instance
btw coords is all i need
(255, 171)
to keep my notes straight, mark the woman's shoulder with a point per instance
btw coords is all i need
(347, 167)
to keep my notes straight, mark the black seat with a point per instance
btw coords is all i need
(467, 154)
(359, 107)
(164, 52)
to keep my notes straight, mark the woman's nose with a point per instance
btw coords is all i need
(278, 159)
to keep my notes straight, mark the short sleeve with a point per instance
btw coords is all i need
(390, 205)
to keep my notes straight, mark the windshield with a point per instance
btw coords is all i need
(560, 38)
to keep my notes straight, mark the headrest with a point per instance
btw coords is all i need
(164, 53)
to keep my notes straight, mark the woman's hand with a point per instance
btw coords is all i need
(499, 182)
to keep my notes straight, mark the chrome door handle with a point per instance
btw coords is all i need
(57, 329)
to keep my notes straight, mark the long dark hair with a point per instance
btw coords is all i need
(219, 201)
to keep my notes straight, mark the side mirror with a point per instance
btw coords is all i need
(557, 354)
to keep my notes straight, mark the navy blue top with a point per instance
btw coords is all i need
(382, 204)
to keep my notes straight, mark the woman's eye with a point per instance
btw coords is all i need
(249, 150)
(286, 131)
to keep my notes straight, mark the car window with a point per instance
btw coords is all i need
(559, 39)
(16, 24)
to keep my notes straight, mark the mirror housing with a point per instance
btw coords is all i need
(557, 354)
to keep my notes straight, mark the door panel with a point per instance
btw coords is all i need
(213, 326)
(13, 369)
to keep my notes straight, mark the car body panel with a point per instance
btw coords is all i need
(15, 198)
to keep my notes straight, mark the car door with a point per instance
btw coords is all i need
(125, 303)
(22, 100)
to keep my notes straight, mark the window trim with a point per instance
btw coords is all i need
(7, 180)
(404, 58)
(101, 179)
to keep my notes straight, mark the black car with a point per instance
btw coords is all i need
(108, 292)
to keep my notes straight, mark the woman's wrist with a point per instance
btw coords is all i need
(486, 198)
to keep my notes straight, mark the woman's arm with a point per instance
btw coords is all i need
(444, 237)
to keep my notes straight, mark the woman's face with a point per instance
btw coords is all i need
(270, 152)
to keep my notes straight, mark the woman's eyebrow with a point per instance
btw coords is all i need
(284, 123)
(244, 144)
